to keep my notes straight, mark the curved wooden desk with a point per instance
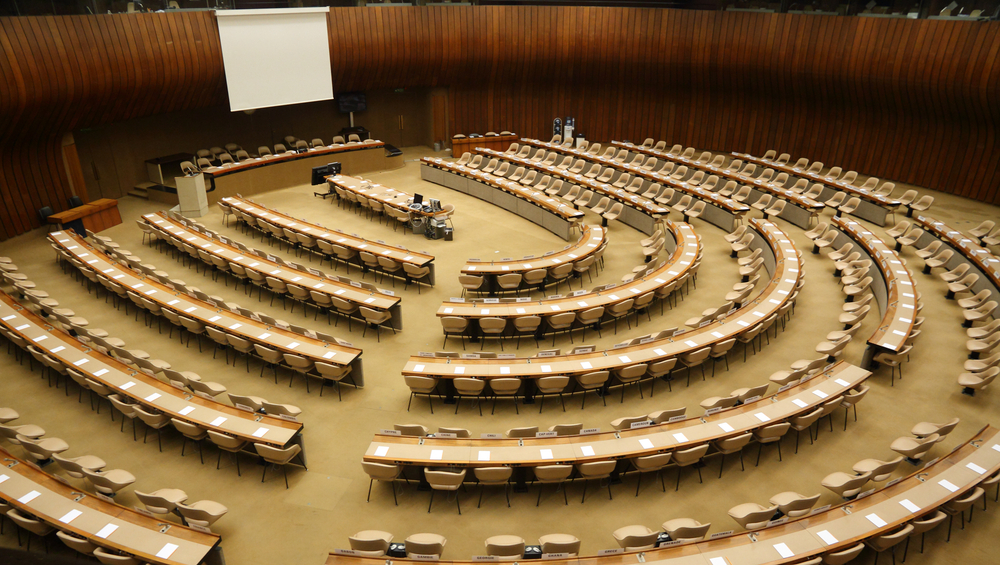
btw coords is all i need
(210, 314)
(684, 255)
(785, 276)
(722, 212)
(640, 213)
(144, 389)
(170, 228)
(262, 174)
(592, 238)
(388, 196)
(805, 208)
(334, 236)
(530, 204)
(895, 289)
(568, 450)
(57, 503)
(873, 208)
(826, 529)
(463, 144)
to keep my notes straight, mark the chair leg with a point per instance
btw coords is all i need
(432, 502)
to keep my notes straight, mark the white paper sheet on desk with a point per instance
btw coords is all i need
(978, 470)
(948, 485)
(3, 478)
(437, 454)
(842, 382)
(29, 497)
(106, 531)
(762, 417)
(681, 438)
(645, 443)
(484, 455)
(127, 385)
(167, 551)
(783, 550)
(381, 450)
(260, 432)
(587, 450)
(218, 421)
(725, 427)
(70, 516)
(874, 519)
(152, 397)
(820, 393)
(101, 372)
(186, 410)
(905, 503)
(546, 454)
(718, 561)
(799, 403)
(827, 537)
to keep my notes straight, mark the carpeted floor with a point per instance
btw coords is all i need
(268, 524)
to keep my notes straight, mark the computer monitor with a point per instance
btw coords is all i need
(418, 198)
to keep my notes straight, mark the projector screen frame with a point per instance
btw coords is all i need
(243, 93)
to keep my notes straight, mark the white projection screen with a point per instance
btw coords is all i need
(275, 57)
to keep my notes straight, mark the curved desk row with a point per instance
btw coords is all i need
(272, 172)
(103, 523)
(780, 258)
(874, 208)
(374, 191)
(827, 529)
(792, 400)
(979, 258)
(310, 281)
(722, 212)
(530, 204)
(206, 313)
(893, 286)
(592, 238)
(803, 209)
(333, 236)
(684, 254)
(141, 388)
(640, 213)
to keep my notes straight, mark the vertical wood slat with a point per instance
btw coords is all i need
(910, 100)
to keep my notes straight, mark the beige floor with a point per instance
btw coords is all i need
(268, 524)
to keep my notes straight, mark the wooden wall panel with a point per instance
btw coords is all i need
(911, 100)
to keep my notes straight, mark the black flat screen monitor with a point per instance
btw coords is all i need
(418, 198)
(348, 102)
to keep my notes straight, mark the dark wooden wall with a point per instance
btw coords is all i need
(910, 100)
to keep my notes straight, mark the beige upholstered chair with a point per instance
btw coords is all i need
(635, 538)
(384, 473)
(277, 456)
(505, 547)
(370, 543)
(551, 474)
(560, 543)
(751, 515)
(685, 529)
(425, 544)
(687, 457)
(444, 480)
(421, 385)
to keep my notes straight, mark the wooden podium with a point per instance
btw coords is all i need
(95, 216)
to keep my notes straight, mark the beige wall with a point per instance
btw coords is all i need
(113, 157)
